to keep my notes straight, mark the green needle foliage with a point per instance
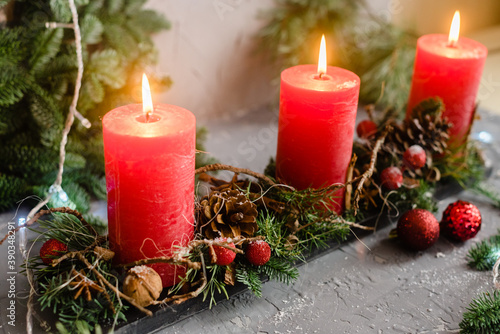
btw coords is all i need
(483, 315)
(383, 58)
(215, 284)
(74, 315)
(483, 255)
(251, 278)
(202, 157)
(37, 75)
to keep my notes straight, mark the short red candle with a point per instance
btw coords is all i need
(316, 127)
(150, 183)
(452, 73)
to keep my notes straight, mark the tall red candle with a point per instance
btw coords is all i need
(450, 68)
(150, 183)
(316, 126)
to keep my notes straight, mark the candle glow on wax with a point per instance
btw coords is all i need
(454, 30)
(147, 101)
(322, 57)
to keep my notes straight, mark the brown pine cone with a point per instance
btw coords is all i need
(426, 127)
(227, 213)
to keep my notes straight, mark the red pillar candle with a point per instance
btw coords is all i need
(316, 126)
(449, 67)
(150, 183)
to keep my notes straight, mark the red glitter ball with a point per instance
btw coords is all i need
(461, 221)
(418, 229)
(52, 249)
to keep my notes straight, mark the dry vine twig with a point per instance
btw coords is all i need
(341, 220)
(111, 286)
(214, 167)
(369, 172)
(348, 186)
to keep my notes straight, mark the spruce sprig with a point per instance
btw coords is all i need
(215, 283)
(408, 198)
(483, 255)
(463, 165)
(55, 293)
(281, 270)
(250, 276)
(37, 75)
(483, 315)
(278, 269)
(318, 223)
(67, 229)
(273, 227)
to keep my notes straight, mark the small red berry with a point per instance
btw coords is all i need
(52, 249)
(415, 157)
(391, 178)
(258, 252)
(366, 129)
(224, 256)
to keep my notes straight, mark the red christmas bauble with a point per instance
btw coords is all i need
(418, 229)
(52, 249)
(461, 221)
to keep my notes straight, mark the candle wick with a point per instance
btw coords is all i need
(321, 75)
(147, 117)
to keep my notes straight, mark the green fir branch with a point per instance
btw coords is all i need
(483, 255)
(463, 165)
(37, 75)
(49, 44)
(273, 227)
(281, 270)
(215, 284)
(407, 198)
(249, 276)
(482, 315)
(55, 293)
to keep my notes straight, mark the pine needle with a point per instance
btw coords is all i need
(483, 255)
(482, 315)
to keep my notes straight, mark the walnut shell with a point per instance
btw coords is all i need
(143, 284)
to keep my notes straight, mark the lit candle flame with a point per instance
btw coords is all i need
(454, 30)
(322, 57)
(147, 102)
